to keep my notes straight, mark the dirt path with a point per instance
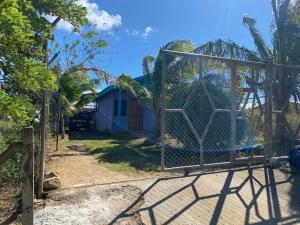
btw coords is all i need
(75, 168)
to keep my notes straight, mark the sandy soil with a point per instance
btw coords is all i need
(79, 169)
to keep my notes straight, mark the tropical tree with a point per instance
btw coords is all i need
(285, 50)
(74, 67)
(75, 90)
(23, 68)
(150, 94)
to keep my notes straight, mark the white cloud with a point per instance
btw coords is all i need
(147, 31)
(143, 34)
(102, 20)
(62, 24)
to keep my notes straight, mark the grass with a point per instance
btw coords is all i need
(120, 152)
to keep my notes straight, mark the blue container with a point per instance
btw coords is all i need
(294, 158)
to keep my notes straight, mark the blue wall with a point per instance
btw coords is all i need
(148, 119)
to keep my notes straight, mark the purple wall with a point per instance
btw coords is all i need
(105, 119)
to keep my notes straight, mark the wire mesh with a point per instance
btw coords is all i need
(219, 110)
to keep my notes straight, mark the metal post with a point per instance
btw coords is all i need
(162, 98)
(201, 141)
(268, 113)
(233, 79)
(27, 176)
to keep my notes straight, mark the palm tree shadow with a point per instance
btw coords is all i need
(267, 184)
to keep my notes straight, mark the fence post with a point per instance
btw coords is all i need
(268, 113)
(233, 111)
(162, 99)
(27, 176)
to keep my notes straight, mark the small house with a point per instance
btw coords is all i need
(119, 111)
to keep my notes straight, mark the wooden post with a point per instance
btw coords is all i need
(233, 79)
(27, 176)
(43, 131)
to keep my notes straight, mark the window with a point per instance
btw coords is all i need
(123, 107)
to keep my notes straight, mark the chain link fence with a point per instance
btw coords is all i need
(218, 111)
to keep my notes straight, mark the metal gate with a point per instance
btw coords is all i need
(218, 111)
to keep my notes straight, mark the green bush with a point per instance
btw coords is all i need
(199, 110)
(9, 131)
(10, 171)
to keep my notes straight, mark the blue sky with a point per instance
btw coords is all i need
(140, 27)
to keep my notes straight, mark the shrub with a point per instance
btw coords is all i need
(10, 171)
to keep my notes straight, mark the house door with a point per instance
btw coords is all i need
(135, 115)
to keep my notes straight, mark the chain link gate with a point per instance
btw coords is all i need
(218, 111)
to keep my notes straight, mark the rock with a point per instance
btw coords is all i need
(39, 202)
(50, 174)
(51, 183)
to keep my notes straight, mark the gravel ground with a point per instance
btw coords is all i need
(89, 206)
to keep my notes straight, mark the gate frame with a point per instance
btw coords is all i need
(268, 110)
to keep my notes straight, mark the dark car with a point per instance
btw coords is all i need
(82, 120)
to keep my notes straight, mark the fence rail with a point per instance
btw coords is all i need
(26, 147)
(219, 111)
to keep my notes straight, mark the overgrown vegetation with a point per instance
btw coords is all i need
(10, 170)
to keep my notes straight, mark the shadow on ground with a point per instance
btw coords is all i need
(122, 149)
(272, 198)
(141, 157)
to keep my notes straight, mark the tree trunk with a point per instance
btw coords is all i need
(58, 122)
(281, 137)
(62, 127)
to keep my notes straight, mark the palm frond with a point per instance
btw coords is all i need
(264, 52)
(141, 93)
(84, 100)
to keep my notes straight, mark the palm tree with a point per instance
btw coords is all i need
(285, 50)
(150, 94)
(75, 90)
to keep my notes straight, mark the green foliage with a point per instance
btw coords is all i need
(10, 171)
(9, 131)
(16, 107)
(140, 92)
(199, 111)
(24, 32)
(149, 94)
(36, 77)
(285, 50)
(73, 86)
